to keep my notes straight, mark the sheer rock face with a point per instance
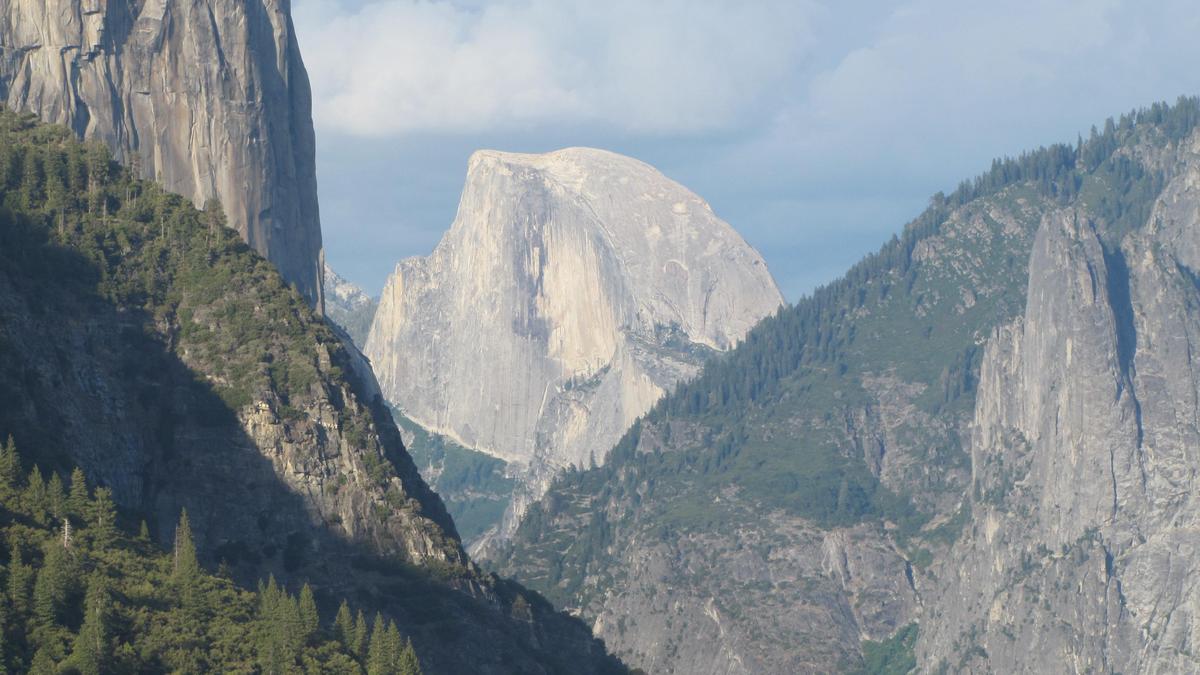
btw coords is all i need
(207, 97)
(349, 306)
(1083, 550)
(571, 291)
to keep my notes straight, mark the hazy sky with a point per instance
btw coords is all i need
(817, 129)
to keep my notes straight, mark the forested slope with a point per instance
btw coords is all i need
(143, 341)
(793, 498)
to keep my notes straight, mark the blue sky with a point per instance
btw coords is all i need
(817, 129)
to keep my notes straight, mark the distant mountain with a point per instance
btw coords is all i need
(572, 291)
(349, 306)
(973, 453)
(208, 98)
(144, 342)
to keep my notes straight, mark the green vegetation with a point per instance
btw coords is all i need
(168, 326)
(473, 485)
(148, 249)
(74, 224)
(781, 424)
(83, 596)
(893, 656)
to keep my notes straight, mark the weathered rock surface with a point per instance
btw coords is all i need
(349, 306)
(208, 97)
(1082, 552)
(1018, 368)
(573, 289)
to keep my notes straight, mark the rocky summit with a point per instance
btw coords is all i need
(210, 99)
(573, 289)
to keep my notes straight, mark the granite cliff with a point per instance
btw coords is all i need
(572, 290)
(973, 453)
(1081, 548)
(207, 97)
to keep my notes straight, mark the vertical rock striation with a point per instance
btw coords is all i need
(208, 97)
(1082, 549)
(573, 289)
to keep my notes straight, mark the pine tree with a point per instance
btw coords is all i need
(144, 532)
(187, 567)
(273, 648)
(409, 663)
(394, 646)
(20, 578)
(53, 585)
(377, 650)
(10, 471)
(343, 627)
(91, 646)
(310, 620)
(35, 495)
(56, 497)
(77, 503)
(361, 634)
(102, 518)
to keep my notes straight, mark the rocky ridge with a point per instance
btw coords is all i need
(1084, 457)
(982, 436)
(175, 366)
(208, 98)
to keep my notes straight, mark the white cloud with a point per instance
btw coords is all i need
(644, 66)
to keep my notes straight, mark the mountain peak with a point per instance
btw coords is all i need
(573, 289)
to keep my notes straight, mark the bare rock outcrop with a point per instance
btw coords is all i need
(208, 97)
(1081, 554)
(573, 289)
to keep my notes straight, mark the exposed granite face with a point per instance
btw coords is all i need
(1082, 552)
(349, 306)
(208, 97)
(765, 589)
(572, 290)
(748, 589)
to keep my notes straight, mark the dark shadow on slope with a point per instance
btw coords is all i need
(1122, 306)
(85, 381)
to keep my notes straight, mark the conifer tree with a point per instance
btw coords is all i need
(91, 646)
(10, 471)
(77, 503)
(394, 646)
(53, 584)
(343, 627)
(377, 650)
(409, 663)
(187, 567)
(102, 517)
(288, 625)
(56, 497)
(144, 532)
(310, 620)
(361, 634)
(35, 495)
(20, 577)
